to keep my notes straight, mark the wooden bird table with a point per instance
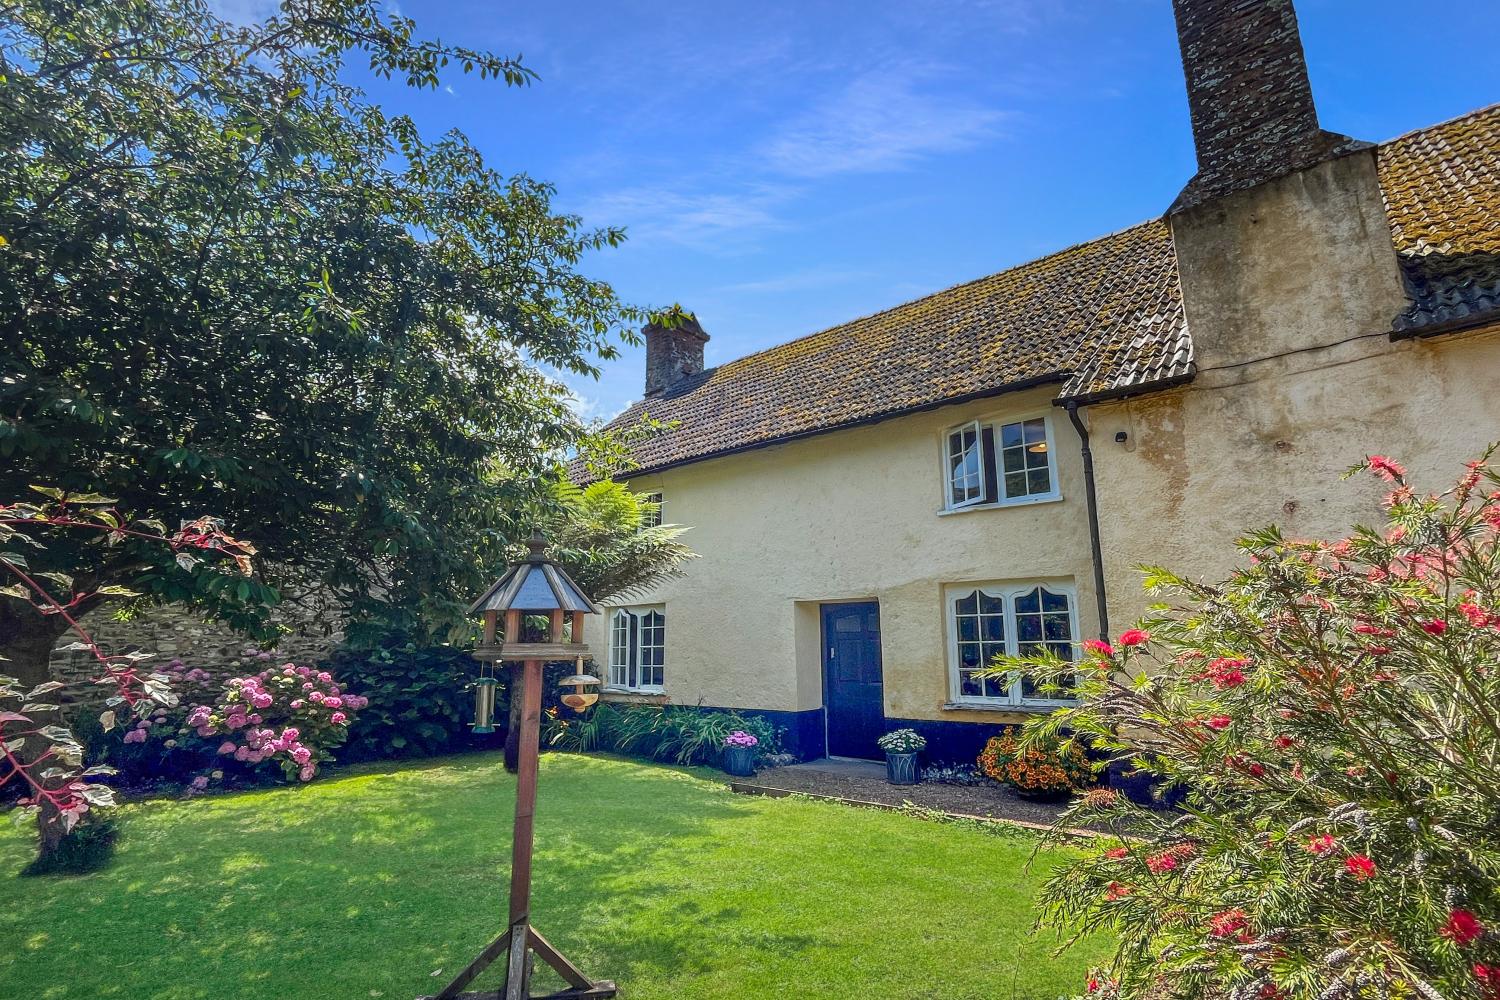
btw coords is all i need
(520, 940)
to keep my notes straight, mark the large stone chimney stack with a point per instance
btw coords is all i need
(1283, 247)
(1249, 95)
(674, 351)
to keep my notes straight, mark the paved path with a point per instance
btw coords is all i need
(863, 782)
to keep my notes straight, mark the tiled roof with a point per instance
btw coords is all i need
(1442, 193)
(1103, 318)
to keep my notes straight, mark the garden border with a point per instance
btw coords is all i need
(747, 788)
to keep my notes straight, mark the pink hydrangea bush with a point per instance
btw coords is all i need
(286, 716)
(1333, 713)
(291, 715)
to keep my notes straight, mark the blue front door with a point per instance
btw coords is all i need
(853, 693)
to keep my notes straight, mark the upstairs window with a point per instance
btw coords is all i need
(652, 517)
(638, 649)
(1025, 619)
(999, 463)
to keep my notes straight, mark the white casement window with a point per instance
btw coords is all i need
(653, 517)
(1016, 619)
(1000, 463)
(637, 649)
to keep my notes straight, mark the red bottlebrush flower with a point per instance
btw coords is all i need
(1219, 721)
(1169, 859)
(1489, 980)
(1477, 616)
(1116, 890)
(1462, 928)
(1226, 672)
(1284, 742)
(1116, 853)
(1093, 985)
(1322, 844)
(1399, 495)
(1134, 637)
(1377, 650)
(1434, 626)
(1360, 867)
(1230, 923)
(1385, 468)
(1099, 647)
(1365, 628)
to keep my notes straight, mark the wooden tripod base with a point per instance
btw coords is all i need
(515, 943)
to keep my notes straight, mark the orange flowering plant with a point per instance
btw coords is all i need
(1035, 768)
(1331, 715)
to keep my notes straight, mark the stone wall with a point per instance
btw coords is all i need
(174, 632)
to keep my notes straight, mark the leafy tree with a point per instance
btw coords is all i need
(1333, 713)
(230, 285)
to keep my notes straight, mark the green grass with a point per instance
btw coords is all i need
(363, 885)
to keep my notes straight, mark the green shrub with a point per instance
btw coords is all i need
(676, 733)
(421, 699)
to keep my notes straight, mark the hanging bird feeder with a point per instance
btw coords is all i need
(534, 588)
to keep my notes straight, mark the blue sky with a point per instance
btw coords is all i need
(786, 166)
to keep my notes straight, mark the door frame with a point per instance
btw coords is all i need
(823, 665)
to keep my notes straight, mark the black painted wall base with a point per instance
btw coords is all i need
(956, 743)
(947, 742)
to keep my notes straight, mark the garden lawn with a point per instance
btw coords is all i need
(384, 881)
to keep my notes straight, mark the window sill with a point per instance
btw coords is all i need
(1025, 708)
(1002, 505)
(633, 697)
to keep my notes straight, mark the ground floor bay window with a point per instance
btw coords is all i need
(1017, 619)
(637, 649)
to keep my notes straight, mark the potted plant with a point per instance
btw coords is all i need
(739, 753)
(901, 748)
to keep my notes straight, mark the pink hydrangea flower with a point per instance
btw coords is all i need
(338, 718)
(226, 747)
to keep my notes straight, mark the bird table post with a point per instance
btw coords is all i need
(535, 587)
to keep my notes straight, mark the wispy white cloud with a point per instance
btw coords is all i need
(880, 121)
(696, 218)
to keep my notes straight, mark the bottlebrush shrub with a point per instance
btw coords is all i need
(1334, 712)
(1041, 767)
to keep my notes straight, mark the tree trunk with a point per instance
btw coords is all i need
(26, 643)
(513, 727)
